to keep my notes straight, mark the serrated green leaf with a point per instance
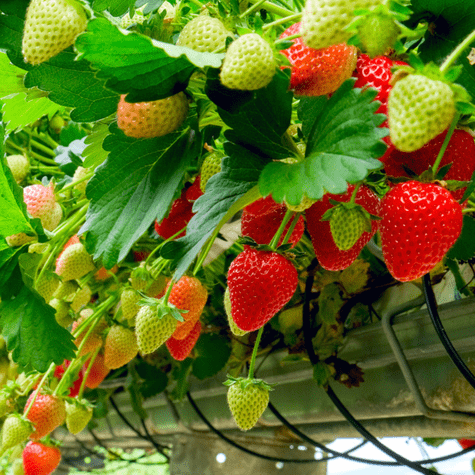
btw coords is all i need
(10, 275)
(154, 381)
(343, 141)
(135, 185)
(321, 373)
(464, 247)
(213, 353)
(180, 375)
(73, 83)
(330, 303)
(94, 154)
(20, 110)
(134, 64)
(227, 192)
(115, 7)
(12, 77)
(260, 123)
(470, 188)
(32, 333)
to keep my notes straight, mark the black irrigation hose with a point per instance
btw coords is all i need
(439, 328)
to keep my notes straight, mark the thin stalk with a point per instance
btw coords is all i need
(40, 158)
(275, 240)
(254, 353)
(159, 246)
(43, 148)
(84, 379)
(457, 52)
(291, 144)
(273, 8)
(203, 255)
(167, 294)
(47, 170)
(48, 372)
(291, 228)
(280, 21)
(445, 144)
(252, 9)
(74, 183)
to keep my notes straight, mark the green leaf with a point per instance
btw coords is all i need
(434, 441)
(464, 247)
(32, 333)
(11, 29)
(115, 7)
(133, 64)
(330, 303)
(450, 22)
(260, 123)
(213, 353)
(73, 83)
(10, 275)
(227, 192)
(22, 109)
(343, 141)
(180, 375)
(135, 185)
(133, 386)
(94, 154)
(12, 77)
(154, 381)
(321, 373)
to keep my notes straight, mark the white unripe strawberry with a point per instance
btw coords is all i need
(204, 34)
(74, 262)
(19, 166)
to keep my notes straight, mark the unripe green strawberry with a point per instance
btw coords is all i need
(140, 277)
(247, 400)
(62, 312)
(304, 204)
(50, 27)
(19, 166)
(204, 34)
(17, 240)
(47, 285)
(419, 109)
(347, 224)
(152, 331)
(377, 34)
(324, 22)
(128, 300)
(235, 330)
(120, 347)
(66, 291)
(211, 165)
(158, 286)
(249, 64)
(137, 19)
(79, 174)
(56, 123)
(81, 299)
(15, 430)
(78, 415)
(17, 467)
(143, 120)
(74, 262)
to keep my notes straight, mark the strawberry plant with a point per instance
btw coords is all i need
(135, 134)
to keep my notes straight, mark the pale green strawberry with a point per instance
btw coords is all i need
(129, 299)
(247, 400)
(152, 331)
(235, 330)
(78, 415)
(66, 291)
(158, 286)
(47, 285)
(378, 33)
(324, 22)
(51, 220)
(19, 166)
(137, 19)
(305, 203)
(50, 27)
(79, 174)
(249, 63)
(74, 262)
(17, 467)
(62, 312)
(419, 109)
(81, 298)
(15, 430)
(120, 347)
(204, 34)
(211, 165)
(17, 240)
(347, 223)
(140, 277)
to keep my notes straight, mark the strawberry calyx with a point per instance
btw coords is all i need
(163, 307)
(246, 382)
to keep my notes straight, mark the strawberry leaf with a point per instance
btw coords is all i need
(135, 185)
(343, 141)
(154, 381)
(94, 154)
(73, 83)
(227, 192)
(464, 247)
(133, 64)
(213, 353)
(32, 333)
(115, 7)
(10, 274)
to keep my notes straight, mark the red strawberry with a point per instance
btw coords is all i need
(98, 372)
(316, 72)
(46, 413)
(76, 385)
(40, 459)
(420, 223)
(260, 283)
(262, 227)
(262, 206)
(466, 443)
(179, 216)
(193, 192)
(460, 152)
(187, 294)
(328, 254)
(180, 349)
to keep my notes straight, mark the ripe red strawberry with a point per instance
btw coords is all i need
(15, 430)
(187, 294)
(104, 274)
(466, 443)
(144, 120)
(50, 27)
(262, 227)
(46, 413)
(120, 347)
(180, 349)
(326, 251)
(40, 459)
(460, 152)
(98, 372)
(74, 262)
(229, 313)
(260, 283)
(179, 216)
(420, 223)
(193, 192)
(316, 72)
(76, 385)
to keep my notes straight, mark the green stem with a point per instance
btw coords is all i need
(291, 228)
(38, 389)
(468, 210)
(280, 21)
(456, 53)
(40, 158)
(84, 379)
(273, 8)
(252, 9)
(10, 143)
(355, 192)
(254, 353)
(459, 280)
(275, 240)
(76, 182)
(43, 148)
(47, 170)
(445, 144)
(291, 144)
(159, 246)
